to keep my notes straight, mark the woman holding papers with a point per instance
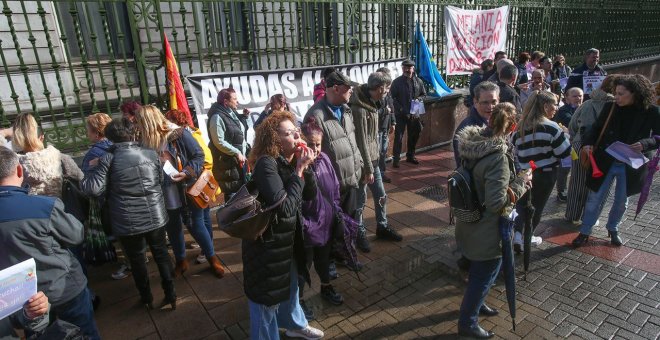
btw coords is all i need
(633, 120)
(182, 159)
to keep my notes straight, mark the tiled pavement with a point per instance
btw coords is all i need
(412, 289)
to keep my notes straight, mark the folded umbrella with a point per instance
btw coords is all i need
(508, 266)
(646, 187)
(527, 231)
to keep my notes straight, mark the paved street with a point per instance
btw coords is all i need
(412, 289)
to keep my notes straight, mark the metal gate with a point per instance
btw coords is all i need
(63, 60)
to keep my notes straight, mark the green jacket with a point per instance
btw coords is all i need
(493, 173)
(365, 118)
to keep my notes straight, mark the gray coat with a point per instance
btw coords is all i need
(339, 142)
(130, 176)
(33, 226)
(365, 117)
(585, 116)
(493, 173)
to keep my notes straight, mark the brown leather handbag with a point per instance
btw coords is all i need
(202, 193)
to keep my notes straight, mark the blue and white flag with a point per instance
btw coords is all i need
(426, 66)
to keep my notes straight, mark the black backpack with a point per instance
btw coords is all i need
(464, 205)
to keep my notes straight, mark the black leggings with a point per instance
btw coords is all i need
(135, 246)
(543, 181)
(321, 258)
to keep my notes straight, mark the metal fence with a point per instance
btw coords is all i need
(62, 60)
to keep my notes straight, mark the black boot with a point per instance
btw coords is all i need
(487, 311)
(395, 163)
(387, 233)
(147, 300)
(614, 238)
(362, 242)
(476, 333)
(170, 295)
(580, 240)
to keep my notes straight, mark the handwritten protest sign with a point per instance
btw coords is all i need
(473, 36)
(17, 284)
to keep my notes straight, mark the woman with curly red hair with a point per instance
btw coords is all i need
(271, 264)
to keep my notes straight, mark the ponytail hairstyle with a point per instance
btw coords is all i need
(534, 112)
(26, 136)
(502, 118)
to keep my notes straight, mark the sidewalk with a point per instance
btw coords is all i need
(413, 290)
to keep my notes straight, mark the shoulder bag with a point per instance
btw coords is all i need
(243, 216)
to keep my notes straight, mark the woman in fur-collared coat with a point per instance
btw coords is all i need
(487, 153)
(45, 167)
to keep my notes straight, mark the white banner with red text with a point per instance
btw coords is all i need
(473, 36)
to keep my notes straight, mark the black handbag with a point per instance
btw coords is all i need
(243, 215)
(75, 201)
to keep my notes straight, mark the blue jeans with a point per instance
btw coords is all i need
(595, 200)
(481, 277)
(78, 311)
(265, 321)
(383, 144)
(380, 200)
(200, 228)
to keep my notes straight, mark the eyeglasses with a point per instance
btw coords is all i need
(486, 103)
(289, 132)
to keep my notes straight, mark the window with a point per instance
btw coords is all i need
(91, 24)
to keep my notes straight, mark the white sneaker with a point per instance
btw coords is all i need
(308, 332)
(121, 273)
(201, 258)
(536, 240)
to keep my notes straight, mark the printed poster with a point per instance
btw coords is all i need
(17, 285)
(254, 88)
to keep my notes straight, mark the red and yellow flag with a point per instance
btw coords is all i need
(173, 81)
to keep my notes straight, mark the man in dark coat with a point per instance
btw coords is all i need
(590, 67)
(386, 126)
(508, 94)
(405, 89)
(486, 96)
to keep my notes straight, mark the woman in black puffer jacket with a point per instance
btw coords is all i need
(130, 177)
(271, 263)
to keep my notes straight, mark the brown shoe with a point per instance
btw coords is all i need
(181, 267)
(216, 266)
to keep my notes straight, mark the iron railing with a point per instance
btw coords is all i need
(62, 60)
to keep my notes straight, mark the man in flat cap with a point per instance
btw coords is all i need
(335, 118)
(405, 89)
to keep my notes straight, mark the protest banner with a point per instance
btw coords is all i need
(254, 88)
(473, 36)
(17, 285)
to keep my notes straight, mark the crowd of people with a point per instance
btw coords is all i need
(139, 167)
(136, 173)
(521, 140)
